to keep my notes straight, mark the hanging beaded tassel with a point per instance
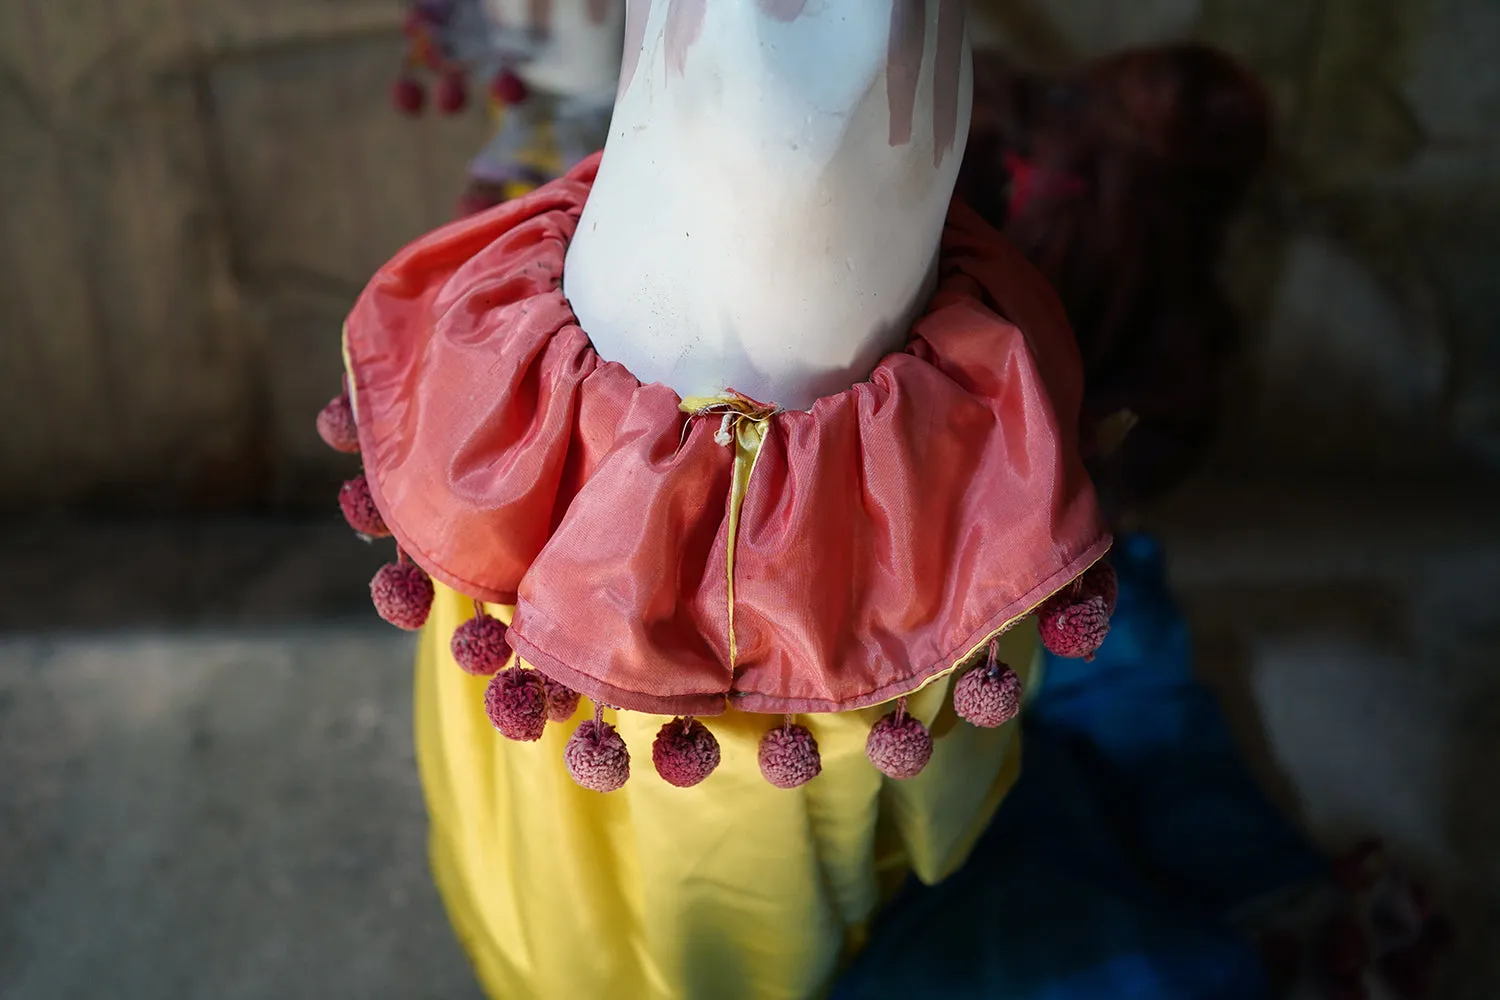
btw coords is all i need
(479, 645)
(596, 756)
(426, 49)
(359, 509)
(1073, 623)
(452, 92)
(789, 756)
(402, 593)
(899, 745)
(435, 44)
(516, 702)
(685, 752)
(990, 695)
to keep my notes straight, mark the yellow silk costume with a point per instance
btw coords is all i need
(730, 889)
(701, 564)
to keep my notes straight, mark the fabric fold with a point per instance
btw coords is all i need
(882, 537)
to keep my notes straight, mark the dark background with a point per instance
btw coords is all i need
(206, 785)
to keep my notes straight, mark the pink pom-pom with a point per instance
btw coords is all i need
(479, 645)
(685, 752)
(402, 593)
(1073, 626)
(516, 702)
(336, 425)
(789, 756)
(562, 701)
(988, 696)
(1102, 581)
(360, 510)
(899, 745)
(408, 95)
(597, 757)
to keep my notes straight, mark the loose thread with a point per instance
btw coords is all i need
(479, 611)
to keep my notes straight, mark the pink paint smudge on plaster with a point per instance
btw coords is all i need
(684, 25)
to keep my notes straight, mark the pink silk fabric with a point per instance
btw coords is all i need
(883, 536)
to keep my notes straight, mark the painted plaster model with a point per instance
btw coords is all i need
(712, 467)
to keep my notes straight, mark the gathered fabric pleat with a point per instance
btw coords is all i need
(880, 538)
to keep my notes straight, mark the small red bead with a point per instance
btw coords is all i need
(402, 593)
(359, 508)
(789, 757)
(597, 757)
(452, 93)
(988, 696)
(899, 745)
(336, 425)
(516, 702)
(685, 752)
(508, 88)
(479, 645)
(408, 95)
(1073, 626)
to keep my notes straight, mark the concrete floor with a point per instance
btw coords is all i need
(207, 788)
(215, 815)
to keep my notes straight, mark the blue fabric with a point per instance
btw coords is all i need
(1109, 870)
